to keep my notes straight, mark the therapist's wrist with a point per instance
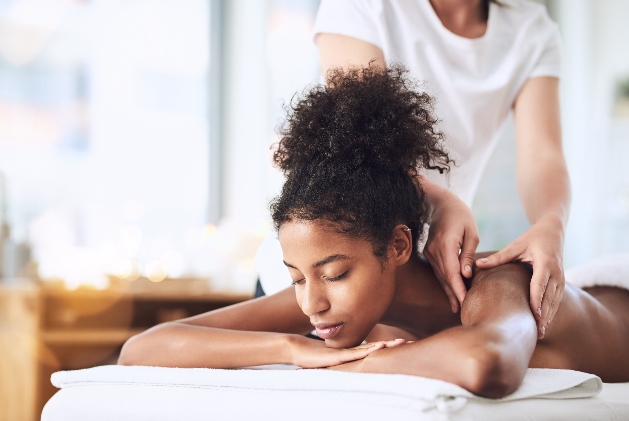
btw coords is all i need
(555, 220)
(436, 195)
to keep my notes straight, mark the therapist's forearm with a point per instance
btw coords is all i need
(435, 194)
(544, 188)
(542, 175)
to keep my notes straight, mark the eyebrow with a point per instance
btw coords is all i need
(329, 259)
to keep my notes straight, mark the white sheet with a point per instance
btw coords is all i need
(151, 393)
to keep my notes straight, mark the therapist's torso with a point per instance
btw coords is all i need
(474, 81)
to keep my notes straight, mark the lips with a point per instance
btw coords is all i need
(328, 331)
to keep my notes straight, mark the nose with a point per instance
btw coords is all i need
(314, 300)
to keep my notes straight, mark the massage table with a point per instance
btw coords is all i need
(118, 393)
(122, 393)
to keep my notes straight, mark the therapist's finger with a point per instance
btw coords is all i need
(466, 258)
(437, 268)
(554, 303)
(551, 298)
(539, 282)
(454, 303)
(506, 255)
(452, 269)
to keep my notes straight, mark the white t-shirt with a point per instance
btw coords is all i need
(474, 81)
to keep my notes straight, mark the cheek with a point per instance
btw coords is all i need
(365, 300)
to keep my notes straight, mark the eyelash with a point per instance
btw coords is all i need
(336, 278)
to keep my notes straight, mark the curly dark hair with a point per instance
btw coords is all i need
(351, 151)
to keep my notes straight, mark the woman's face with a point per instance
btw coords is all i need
(339, 282)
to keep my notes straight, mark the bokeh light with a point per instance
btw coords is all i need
(155, 271)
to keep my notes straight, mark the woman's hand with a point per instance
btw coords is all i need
(312, 353)
(541, 246)
(452, 241)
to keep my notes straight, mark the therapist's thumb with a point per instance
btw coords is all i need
(466, 258)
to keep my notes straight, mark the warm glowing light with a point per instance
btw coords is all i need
(135, 271)
(155, 271)
(125, 268)
(210, 231)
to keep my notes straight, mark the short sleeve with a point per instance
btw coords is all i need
(549, 62)
(352, 18)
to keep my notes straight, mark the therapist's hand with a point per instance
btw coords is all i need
(452, 241)
(542, 247)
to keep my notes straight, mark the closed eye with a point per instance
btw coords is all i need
(298, 281)
(337, 278)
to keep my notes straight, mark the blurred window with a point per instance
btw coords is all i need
(104, 132)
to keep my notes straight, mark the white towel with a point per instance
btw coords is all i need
(419, 392)
(610, 271)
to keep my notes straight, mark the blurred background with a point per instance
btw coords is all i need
(135, 160)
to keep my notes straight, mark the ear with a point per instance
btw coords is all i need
(401, 245)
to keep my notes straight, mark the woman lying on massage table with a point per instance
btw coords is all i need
(349, 219)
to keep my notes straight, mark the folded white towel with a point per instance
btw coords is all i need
(610, 271)
(419, 392)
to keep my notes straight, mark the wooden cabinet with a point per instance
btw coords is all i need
(46, 328)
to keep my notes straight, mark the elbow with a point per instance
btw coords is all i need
(130, 353)
(491, 375)
(140, 348)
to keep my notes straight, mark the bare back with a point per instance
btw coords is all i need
(590, 333)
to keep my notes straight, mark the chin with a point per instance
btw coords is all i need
(342, 342)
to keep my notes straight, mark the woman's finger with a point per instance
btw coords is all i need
(547, 303)
(357, 353)
(394, 342)
(388, 344)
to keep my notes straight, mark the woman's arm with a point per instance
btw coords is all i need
(267, 330)
(544, 188)
(453, 236)
(487, 355)
(343, 51)
(250, 333)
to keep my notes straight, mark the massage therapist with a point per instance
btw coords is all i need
(481, 60)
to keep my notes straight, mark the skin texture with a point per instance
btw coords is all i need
(485, 350)
(542, 177)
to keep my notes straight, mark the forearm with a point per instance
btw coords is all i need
(542, 175)
(435, 194)
(544, 188)
(465, 356)
(184, 345)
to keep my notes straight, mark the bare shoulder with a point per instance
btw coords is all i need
(496, 293)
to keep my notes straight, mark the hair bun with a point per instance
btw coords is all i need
(370, 116)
